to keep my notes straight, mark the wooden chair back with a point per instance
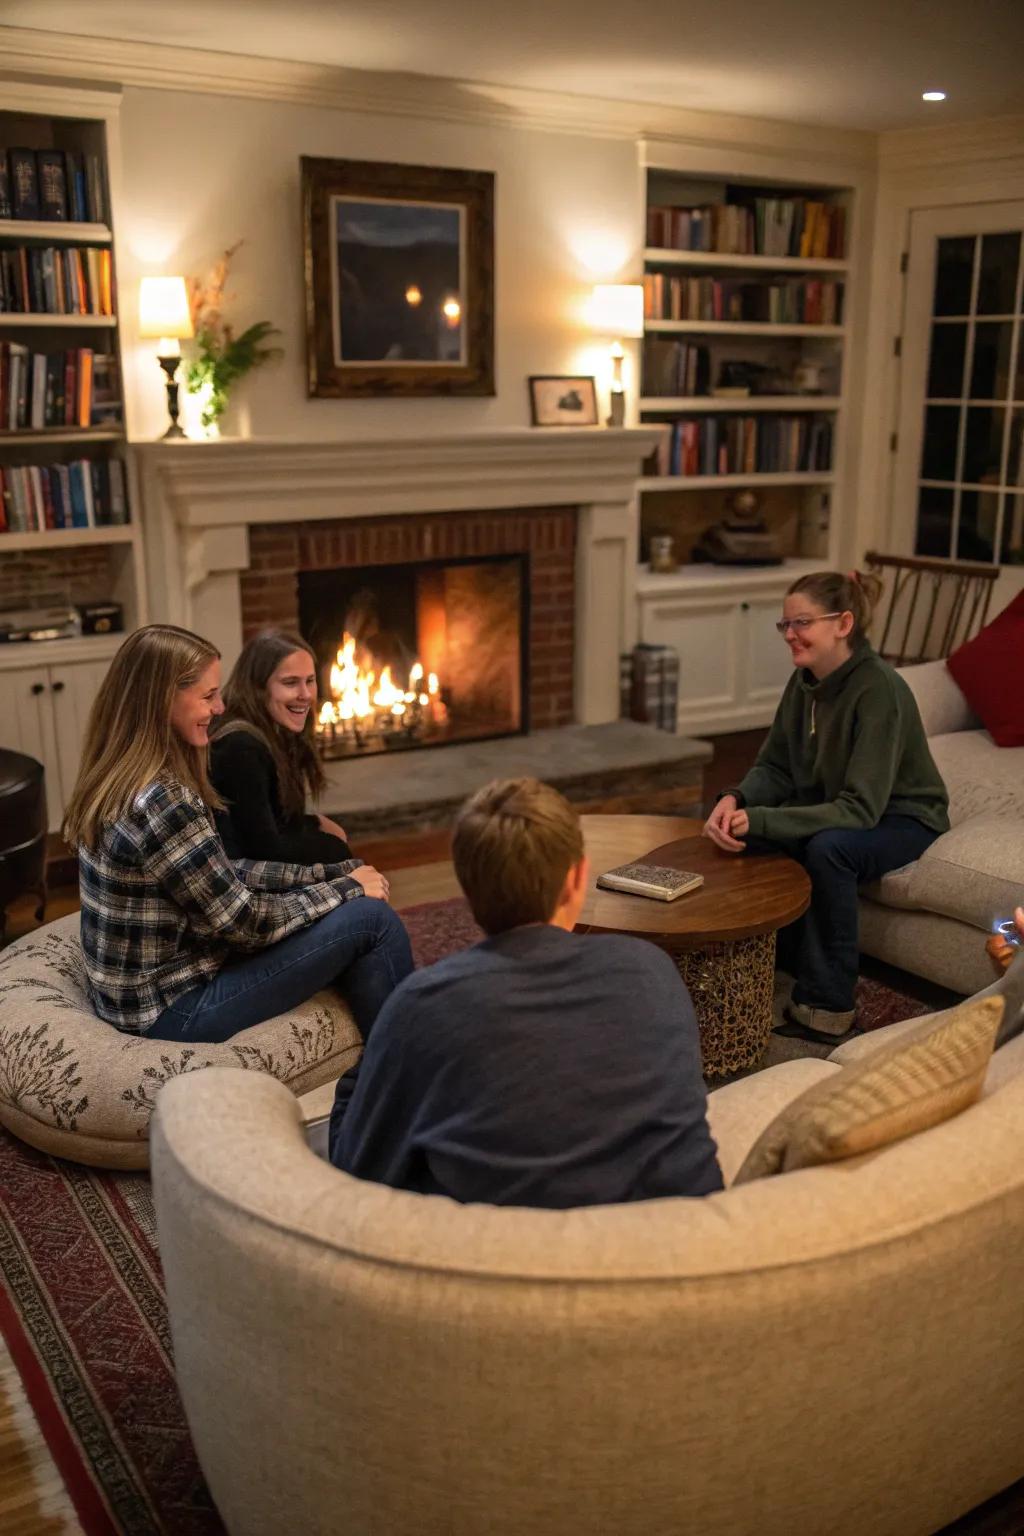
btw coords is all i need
(930, 607)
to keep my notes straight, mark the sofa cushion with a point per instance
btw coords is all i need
(739, 1111)
(986, 670)
(981, 777)
(974, 873)
(928, 1076)
(940, 703)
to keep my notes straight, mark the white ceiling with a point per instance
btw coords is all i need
(848, 63)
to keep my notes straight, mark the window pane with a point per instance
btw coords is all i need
(997, 279)
(954, 262)
(979, 512)
(983, 445)
(946, 364)
(934, 522)
(1015, 457)
(938, 457)
(1012, 552)
(990, 372)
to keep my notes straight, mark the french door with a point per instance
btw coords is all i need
(958, 485)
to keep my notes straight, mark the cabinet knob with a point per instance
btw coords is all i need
(38, 688)
(745, 607)
(58, 686)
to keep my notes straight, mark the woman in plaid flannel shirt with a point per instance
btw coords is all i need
(180, 942)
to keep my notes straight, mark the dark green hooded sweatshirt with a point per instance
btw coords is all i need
(844, 752)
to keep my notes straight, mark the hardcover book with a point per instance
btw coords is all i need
(53, 196)
(24, 183)
(654, 880)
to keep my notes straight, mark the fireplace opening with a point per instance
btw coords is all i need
(418, 655)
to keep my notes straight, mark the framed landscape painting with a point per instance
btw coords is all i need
(399, 279)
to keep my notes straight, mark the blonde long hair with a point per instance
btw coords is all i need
(129, 740)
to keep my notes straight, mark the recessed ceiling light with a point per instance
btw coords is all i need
(933, 95)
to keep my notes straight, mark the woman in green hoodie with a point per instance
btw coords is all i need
(845, 783)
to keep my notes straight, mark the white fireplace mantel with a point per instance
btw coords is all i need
(200, 499)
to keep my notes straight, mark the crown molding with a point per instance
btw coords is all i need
(990, 139)
(27, 50)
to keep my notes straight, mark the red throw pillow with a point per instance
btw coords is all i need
(988, 671)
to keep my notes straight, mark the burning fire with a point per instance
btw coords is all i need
(363, 704)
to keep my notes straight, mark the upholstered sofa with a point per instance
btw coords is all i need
(837, 1349)
(933, 916)
(74, 1086)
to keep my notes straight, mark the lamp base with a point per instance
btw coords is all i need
(169, 365)
(616, 409)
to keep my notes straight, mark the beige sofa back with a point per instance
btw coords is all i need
(840, 1349)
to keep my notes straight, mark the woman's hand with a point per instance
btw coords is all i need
(719, 825)
(372, 882)
(999, 949)
(327, 825)
(739, 826)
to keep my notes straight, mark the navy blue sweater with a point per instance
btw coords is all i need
(540, 1068)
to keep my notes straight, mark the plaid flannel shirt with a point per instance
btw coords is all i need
(163, 907)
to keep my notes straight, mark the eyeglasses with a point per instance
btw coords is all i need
(801, 624)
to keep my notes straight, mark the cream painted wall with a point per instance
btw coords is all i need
(200, 172)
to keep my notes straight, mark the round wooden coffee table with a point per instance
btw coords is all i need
(722, 936)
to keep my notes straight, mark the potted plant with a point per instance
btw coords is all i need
(222, 357)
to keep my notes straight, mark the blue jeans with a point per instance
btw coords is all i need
(822, 948)
(361, 947)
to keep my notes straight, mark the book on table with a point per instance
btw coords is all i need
(656, 881)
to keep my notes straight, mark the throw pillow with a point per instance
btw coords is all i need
(987, 672)
(927, 1076)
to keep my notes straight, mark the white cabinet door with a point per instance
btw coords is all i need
(704, 630)
(27, 714)
(71, 691)
(767, 662)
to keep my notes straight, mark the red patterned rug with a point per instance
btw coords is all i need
(82, 1310)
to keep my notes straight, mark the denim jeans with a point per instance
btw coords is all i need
(361, 947)
(822, 948)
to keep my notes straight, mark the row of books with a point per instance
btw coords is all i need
(675, 368)
(56, 280)
(787, 301)
(761, 226)
(57, 184)
(747, 445)
(89, 493)
(77, 388)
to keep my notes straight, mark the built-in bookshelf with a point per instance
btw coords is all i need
(65, 476)
(746, 288)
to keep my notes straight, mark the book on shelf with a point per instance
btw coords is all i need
(783, 301)
(675, 367)
(86, 493)
(73, 389)
(54, 184)
(656, 881)
(56, 280)
(748, 445)
(752, 226)
(24, 177)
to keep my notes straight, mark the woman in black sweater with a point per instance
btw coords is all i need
(262, 760)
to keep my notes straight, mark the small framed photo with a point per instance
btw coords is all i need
(557, 401)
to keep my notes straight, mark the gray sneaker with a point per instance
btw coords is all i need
(818, 1023)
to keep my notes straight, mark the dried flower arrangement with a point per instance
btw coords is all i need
(223, 358)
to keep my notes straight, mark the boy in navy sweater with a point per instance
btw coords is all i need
(541, 1067)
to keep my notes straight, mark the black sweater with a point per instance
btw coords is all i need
(254, 826)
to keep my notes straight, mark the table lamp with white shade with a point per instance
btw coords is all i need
(617, 310)
(164, 315)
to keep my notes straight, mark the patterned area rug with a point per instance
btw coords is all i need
(82, 1310)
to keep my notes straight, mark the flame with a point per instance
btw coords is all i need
(361, 699)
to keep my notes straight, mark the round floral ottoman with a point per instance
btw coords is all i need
(73, 1085)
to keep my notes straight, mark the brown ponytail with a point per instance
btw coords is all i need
(857, 592)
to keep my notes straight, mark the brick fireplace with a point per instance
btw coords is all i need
(229, 526)
(279, 552)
